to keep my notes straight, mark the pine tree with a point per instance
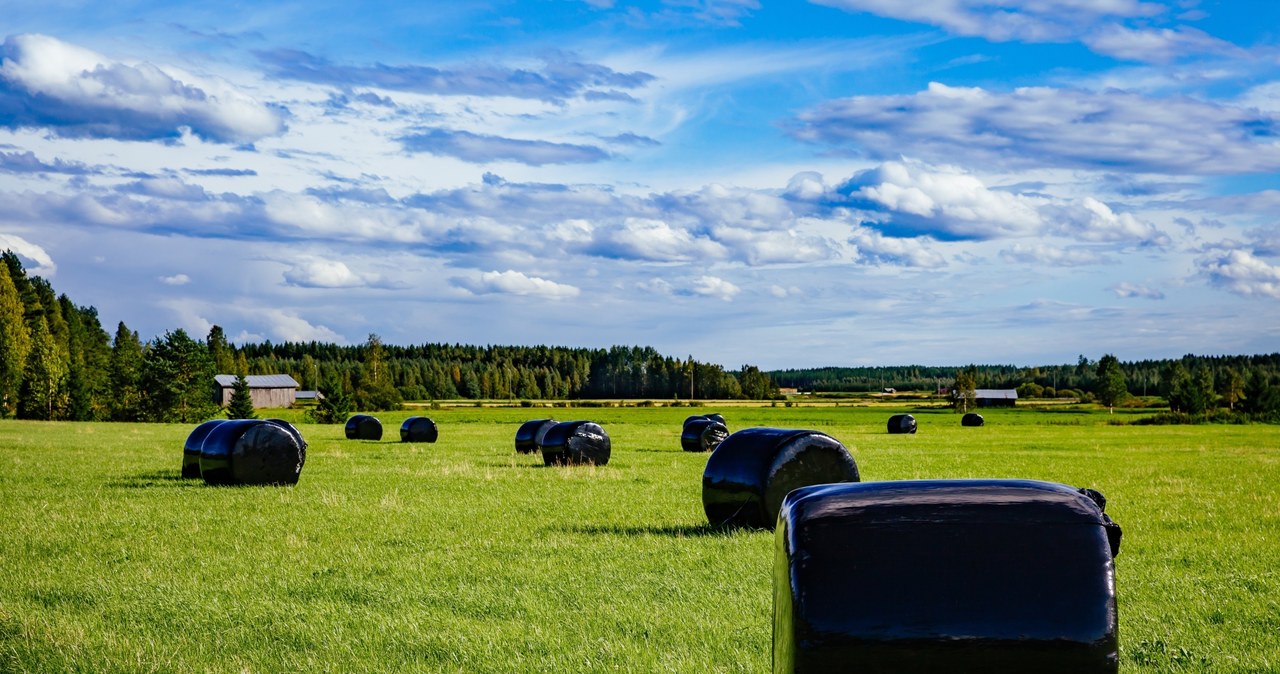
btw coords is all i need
(241, 404)
(124, 374)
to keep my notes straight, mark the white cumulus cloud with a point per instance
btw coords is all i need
(175, 280)
(31, 252)
(319, 273)
(714, 286)
(48, 83)
(512, 282)
(1241, 272)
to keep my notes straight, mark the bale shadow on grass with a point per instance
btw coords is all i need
(672, 531)
(155, 478)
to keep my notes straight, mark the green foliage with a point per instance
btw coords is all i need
(334, 407)
(43, 378)
(125, 375)
(177, 380)
(1111, 389)
(15, 342)
(241, 404)
(453, 554)
(756, 385)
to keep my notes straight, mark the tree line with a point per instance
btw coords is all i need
(58, 362)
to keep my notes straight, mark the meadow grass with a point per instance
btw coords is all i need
(462, 556)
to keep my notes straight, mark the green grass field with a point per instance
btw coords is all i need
(462, 556)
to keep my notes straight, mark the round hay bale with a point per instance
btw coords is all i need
(944, 576)
(748, 475)
(695, 417)
(902, 423)
(191, 449)
(572, 443)
(972, 419)
(252, 452)
(363, 427)
(419, 429)
(530, 434)
(703, 435)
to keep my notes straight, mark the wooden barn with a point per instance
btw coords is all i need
(268, 390)
(992, 397)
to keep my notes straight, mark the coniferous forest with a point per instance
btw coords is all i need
(57, 361)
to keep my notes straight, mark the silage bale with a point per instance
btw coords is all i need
(572, 443)
(971, 419)
(702, 435)
(419, 429)
(363, 427)
(992, 576)
(748, 475)
(191, 448)
(252, 452)
(902, 423)
(715, 417)
(530, 434)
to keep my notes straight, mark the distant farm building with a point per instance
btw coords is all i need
(267, 390)
(991, 397)
(307, 397)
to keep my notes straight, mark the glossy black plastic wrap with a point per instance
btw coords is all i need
(991, 576)
(572, 443)
(363, 427)
(252, 452)
(191, 448)
(529, 435)
(716, 417)
(419, 429)
(902, 423)
(702, 435)
(972, 419)
(748, 475)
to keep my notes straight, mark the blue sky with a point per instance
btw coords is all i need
(837, 182)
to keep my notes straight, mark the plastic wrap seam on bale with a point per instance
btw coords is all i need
(572, 443)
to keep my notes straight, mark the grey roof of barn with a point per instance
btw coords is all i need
(996, 394)
(258, 381)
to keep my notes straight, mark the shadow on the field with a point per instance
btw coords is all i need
(673, 531)
(155, 478)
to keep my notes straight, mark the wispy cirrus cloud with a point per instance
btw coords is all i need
(1117, 28)
(27, 162)
(558, 79)
(46, 83)
(1048, 127)
(483, 148)
(1134, 290)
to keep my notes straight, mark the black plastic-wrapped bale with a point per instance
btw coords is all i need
(191, 448)
(991, 576)
(902, 423)
(972, 419)
(419, 429)
(702, 435)
(715, 417)
(572, 443)
(252, 452)
(748, 475)
(363, 427)
(530, 434)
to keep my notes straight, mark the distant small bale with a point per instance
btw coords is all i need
(572, 443)
(419, 429)
(972, 419)
(902, 423)
(191, 449)
(703, 435)
(252, 452)
(750, 473)
(363, 427)
(530, 434)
